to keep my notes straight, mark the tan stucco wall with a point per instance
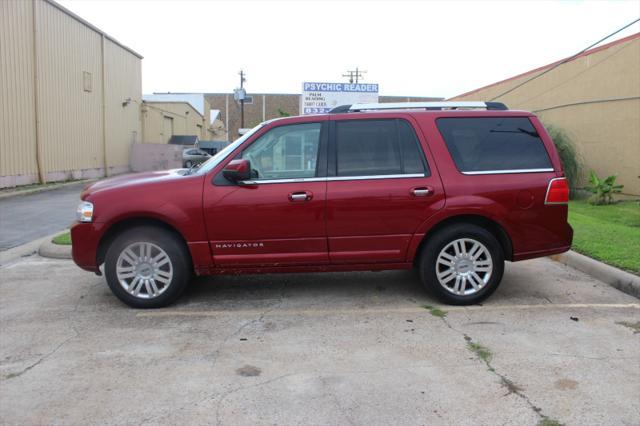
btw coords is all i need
(45, 110)
(595, 99)
(186, 120)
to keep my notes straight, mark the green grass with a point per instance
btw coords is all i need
(62, 239)
(635, 326)
(481, 352)
(435, 311)
(609, 233)
(546, 421)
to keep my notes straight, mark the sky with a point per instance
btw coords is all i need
(410, 48)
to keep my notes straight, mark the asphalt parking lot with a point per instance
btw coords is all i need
(27, 217)
(317, 349)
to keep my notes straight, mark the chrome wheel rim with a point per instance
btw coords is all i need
(144, 270)
(464, 267)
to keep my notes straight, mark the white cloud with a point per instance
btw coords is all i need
(427, 48)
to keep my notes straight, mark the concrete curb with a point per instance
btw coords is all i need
(54, 251)
(19, 193)
(617, 278)
(27, 249)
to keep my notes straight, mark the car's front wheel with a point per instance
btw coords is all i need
(147, 267)
(462, 264)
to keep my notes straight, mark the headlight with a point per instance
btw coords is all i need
(84, 212)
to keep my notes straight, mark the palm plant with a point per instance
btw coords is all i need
(603, 189)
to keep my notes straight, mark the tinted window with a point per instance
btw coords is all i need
(377, 147)
(286, 152)
(493, 144)
(413, 158)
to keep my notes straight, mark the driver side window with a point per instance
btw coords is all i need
(285, 152)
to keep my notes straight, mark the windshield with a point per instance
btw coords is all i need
(212, 162)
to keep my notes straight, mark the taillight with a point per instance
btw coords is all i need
(557, 191)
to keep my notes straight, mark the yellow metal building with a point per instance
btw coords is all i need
(595, 98)
(161, 120)
(70, 96)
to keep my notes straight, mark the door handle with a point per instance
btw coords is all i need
(300, 196)
(422, 191)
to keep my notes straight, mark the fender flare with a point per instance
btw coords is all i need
(490, 212)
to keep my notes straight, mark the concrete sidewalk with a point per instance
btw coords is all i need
(318, 349)
(25, 218)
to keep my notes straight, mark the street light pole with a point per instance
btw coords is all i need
(242, 80)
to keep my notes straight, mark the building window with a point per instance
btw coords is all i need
(87, 84)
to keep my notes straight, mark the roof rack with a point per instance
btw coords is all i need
(499, 106)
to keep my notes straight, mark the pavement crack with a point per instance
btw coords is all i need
(56, 349)
(39, 361)
(216, 356)
(256, 320)
(225, 395)
(484, 355)
(596, 358)
(336, 402)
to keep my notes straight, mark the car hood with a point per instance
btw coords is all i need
(133, 179)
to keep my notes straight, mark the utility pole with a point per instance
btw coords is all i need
(357, 74)
(242, 80)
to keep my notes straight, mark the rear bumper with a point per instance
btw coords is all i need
(565, 245)
(85, 238)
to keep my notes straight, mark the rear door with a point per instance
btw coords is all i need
(380, 188)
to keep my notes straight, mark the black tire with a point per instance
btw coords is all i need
(179, 264)
(443, 238)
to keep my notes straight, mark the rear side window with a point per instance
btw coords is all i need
(378, 147)
(487, 144)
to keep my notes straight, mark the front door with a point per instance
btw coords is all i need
(278, 217)
(380, 189)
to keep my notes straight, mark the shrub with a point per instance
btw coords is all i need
(568, 155)
(602, 189)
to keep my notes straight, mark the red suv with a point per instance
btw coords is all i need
(453, 189)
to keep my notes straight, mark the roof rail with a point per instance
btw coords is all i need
(419, 105)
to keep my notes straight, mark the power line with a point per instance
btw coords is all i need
(564, 60)
(357, 73)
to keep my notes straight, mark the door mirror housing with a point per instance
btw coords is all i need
(237, 170)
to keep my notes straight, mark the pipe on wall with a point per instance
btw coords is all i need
(42, 178)
(595, 101)
(104, 111)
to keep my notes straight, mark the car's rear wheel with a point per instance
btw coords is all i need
(462, 264)
(147, 267)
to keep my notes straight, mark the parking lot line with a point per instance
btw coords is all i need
(316, 312)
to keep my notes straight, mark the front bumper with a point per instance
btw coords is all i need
(85, 240)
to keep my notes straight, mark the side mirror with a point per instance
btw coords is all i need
(237, 170)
